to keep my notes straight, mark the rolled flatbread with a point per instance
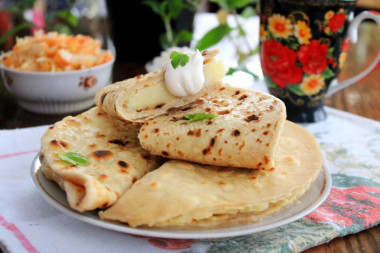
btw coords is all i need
(244, 133)
(116, 159)
(146, 96)
(183, 194)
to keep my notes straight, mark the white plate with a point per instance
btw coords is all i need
(55, 196)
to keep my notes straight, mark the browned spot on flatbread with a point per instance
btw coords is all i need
(187, 108)
(104, 205)
(92, 146)
(159, 105)
(220, 130)
(58, 143)
(220, 152)
(252, 117)
(224, 112)
(196, 132)
(266, 133)
(134, 179)
(146, 157)
(101, 154)
(221, 89)
(155, 130)
(119, 142)
(164, 153)
(253, 178)
(212, 141)
(206, 151)
(103, 97)
(243, 97)
(237, 93)
(102, 177)
(208, 109)
(153, 184)
(123, 171)
(242, 145)
(180, 153)
(123, 164)
(235, 133)
(99, 135)
(266, 160)
(185, 163)
(221, 183)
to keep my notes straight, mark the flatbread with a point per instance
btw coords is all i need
(146, 96)
(183, 194)
(113, 150)
(245, 132)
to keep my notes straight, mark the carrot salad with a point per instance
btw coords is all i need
(53, 52)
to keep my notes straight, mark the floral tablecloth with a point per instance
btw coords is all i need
(351, 149)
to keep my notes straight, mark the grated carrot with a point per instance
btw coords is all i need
(53, 52)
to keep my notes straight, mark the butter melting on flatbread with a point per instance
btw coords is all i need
(183, 194)
(113, 150)
(244, 133)
(146, 96)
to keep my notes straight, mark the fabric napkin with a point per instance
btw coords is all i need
(349, 143)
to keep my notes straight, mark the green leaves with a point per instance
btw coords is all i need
(228, 4)
(68, 16)
(330, 52)
(178, 58)
(182, 36)
(213, 36)
(74, 158)
(198, 117)
(296, 89)
(169, 10)
(327, 73)
(15, 30)
(244, 69)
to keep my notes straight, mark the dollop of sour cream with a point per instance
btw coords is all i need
(185, 80)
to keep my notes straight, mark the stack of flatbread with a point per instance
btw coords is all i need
(150, 166)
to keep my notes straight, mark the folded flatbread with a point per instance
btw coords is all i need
(245, 132)
(146, 96)
(183, 194)
(113, 150)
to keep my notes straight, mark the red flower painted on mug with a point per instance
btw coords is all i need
(337, 21)
(313, 57)
(171, 244)
(345, 45)
(357, 205)
(279, 63)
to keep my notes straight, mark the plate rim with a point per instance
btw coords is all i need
(176, 233)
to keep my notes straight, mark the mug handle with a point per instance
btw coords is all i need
(353, 35)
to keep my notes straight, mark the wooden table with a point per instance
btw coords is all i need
(362, 99)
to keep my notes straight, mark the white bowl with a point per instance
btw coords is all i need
(58, 92)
